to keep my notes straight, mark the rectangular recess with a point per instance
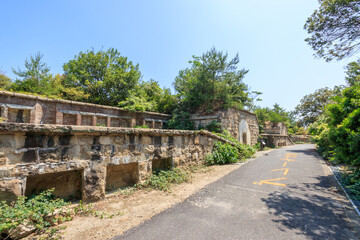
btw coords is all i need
(123, 175)
(68, 184)
(162, 164)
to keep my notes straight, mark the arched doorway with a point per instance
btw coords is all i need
(244, 132)
(244, 138)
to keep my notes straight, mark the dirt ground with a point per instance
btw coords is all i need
(139, 206)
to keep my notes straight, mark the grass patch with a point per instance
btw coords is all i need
(164, 179)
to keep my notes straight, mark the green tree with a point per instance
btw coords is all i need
(353, 73)
(106, 76)
(149, 96)
(5, 82)
(212, 81)
(278, 114)
(36, 78)
(334, 29)
(312, 106)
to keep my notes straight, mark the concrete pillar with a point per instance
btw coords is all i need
(4, 113)
(108, 121)
(94, 121)
(78, 119)
(59, 118)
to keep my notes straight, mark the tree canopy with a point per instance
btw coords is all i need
(353, 73)
(149, 96)
(212, 81)
(5, 82)
(312, 106)
(36, 78)
(334, 29)
(106, 76)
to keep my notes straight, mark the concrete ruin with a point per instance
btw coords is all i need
(24, 108)
(276, 134)
(83, 162)
(83, 150)
(242, 124)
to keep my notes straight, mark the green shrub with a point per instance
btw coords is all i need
(163, 180)
(214, 126)
(225, 153)
(34, 211)
(142, 126)
(351, 179)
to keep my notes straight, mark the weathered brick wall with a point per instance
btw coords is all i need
(237, 122)
(23, 108)
(84, 161)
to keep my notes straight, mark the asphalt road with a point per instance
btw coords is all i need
(286, 194)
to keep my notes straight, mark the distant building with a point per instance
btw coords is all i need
(242, 124)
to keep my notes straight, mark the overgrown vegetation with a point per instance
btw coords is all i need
(213, 81)
(164, 179)
(225, 153)
(40, 214)
(337, 131)
(278, 114)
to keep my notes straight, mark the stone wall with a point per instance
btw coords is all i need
(277, 140)
(82, 162)
(24, 108)
(274, 128)
(301, 138)
(242, 124)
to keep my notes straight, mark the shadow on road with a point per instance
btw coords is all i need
(311, 209)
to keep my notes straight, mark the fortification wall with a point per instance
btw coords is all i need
(277, 140)
(232, 120)
(24, 108)
(82, 162)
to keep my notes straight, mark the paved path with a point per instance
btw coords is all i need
(283, 195)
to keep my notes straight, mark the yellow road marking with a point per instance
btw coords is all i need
(285, 163)
(291, 155)
(285, 170)
(289, 160)
(270, 181)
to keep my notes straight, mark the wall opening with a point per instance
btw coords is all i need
(101, 121)
(18, 115)
(119, 176)
(158, 125)
(244, 138)
(86, 120)
(162, 164)
(67, 184)
(69, 119)
(125, 123)
(149, 124)
(115, 122)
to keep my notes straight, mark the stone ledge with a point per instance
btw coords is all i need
(73, 129)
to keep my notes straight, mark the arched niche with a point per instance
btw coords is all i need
(244, 132)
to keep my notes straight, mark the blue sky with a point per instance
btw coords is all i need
(162, 36)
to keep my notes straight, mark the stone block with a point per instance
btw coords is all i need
(10, 189)
(105, 140)
(7, 141)
(94, 184)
